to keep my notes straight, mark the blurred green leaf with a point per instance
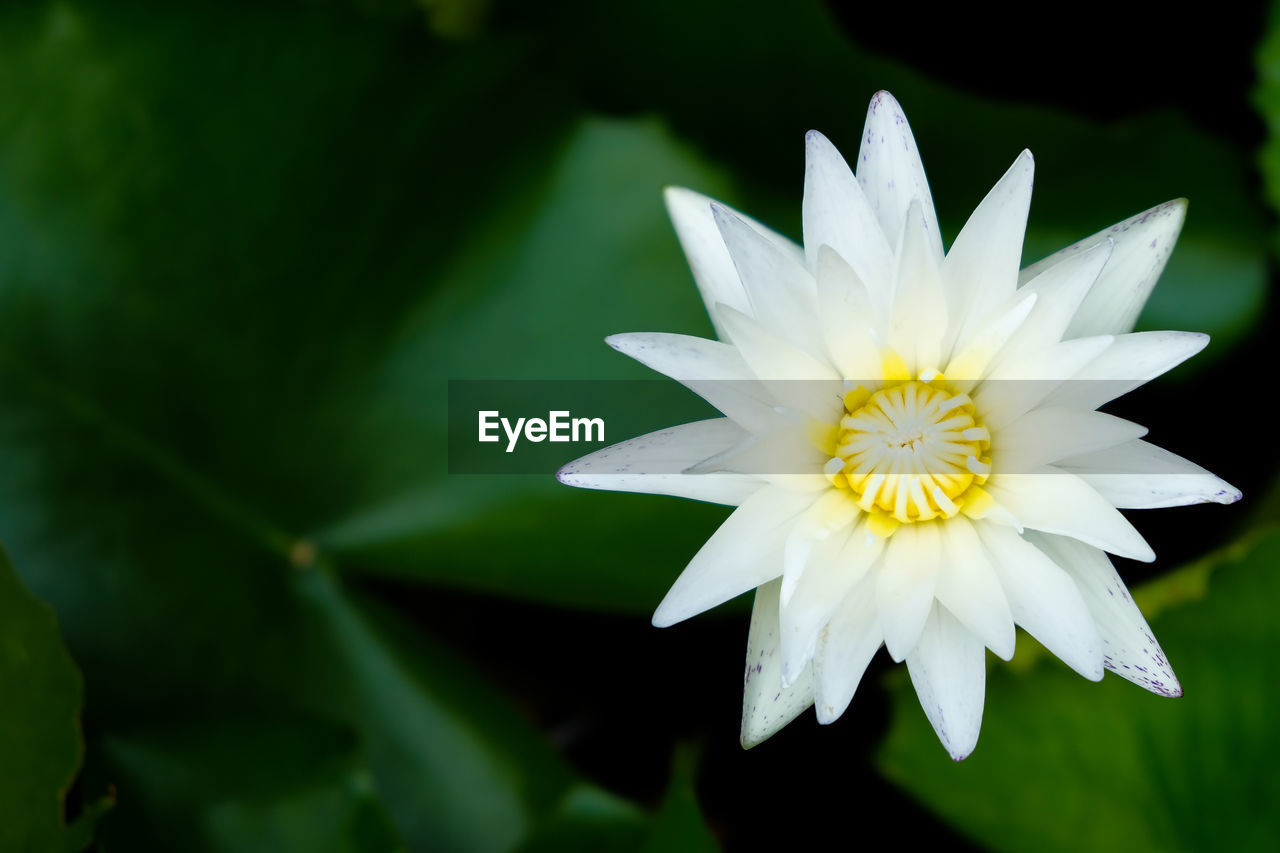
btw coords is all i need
(588, 819)
(40, 745)
(1266, 97)
(459, 769)
(249, 784)
(213, 343)
(1063, 764)
(679, 827)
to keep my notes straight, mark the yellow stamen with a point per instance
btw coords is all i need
(910, 451)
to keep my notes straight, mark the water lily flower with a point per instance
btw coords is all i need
(911, 437)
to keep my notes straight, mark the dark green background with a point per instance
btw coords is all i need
(243, 248)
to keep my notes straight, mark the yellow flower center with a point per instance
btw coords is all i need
(909, 452)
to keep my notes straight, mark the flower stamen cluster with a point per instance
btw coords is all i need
(908, 452)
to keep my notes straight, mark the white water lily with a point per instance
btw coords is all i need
(910, 437)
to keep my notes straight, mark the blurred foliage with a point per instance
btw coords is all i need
(252, 784)
(39, 731)
(1066, 765)
(1266, 97)
(242, 248)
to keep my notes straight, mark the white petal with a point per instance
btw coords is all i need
(837, 214)
(783, 450)
(745, 552)
(848, 318)
(767, 706)
(905, 585)
(1131, 360)
(655, 463)
(770, 357)
(1142, 248)
(714, 371)
(1049, 434)
(820, 533)
(834, 567)
(948, 670)
(1057, 501)
(890, 171)
(1044, 600)
(980, 273)
(1012, 390)
(792, 377)
(969, 588)
(985, 347)
(919, 317)
(845, 648)
(1059, 291)
(781, 291)
(1139, 475)
(713, 269)
(1129, 648)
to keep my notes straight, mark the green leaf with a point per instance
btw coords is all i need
(679, 826)
(1064, 764)
(247, 784)
(40, 745)
(1266, 98)
(215, 342)
(588, 819)
(459, 769)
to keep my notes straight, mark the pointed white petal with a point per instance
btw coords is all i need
(1049, 434)
(770, 357)
(781, 291)
(1044, 600)
(767, 706)
(1059, 291)
(714, 371)
(1131, 360)
(1129, 648)
(845, 648)
(980, 272)
(948, 670)
(1139, 475)
(779, 451)
(890, 171)
(1056, 501)
(837, 214)
(835, 566)
(745, 552)
(970, 590)
(1142, 248)
(655, 463)
(713, 269)
(794, 378)
(905, 585)
(848, 318)
(919, 317)
(986, 347)
(818, 535)
(1012, 390)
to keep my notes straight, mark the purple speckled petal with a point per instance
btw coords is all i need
(837, 214)
(948, 670)
(767, 706)
(1143, 244)
(653, 464)
(1129, 648)
(891, 173)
